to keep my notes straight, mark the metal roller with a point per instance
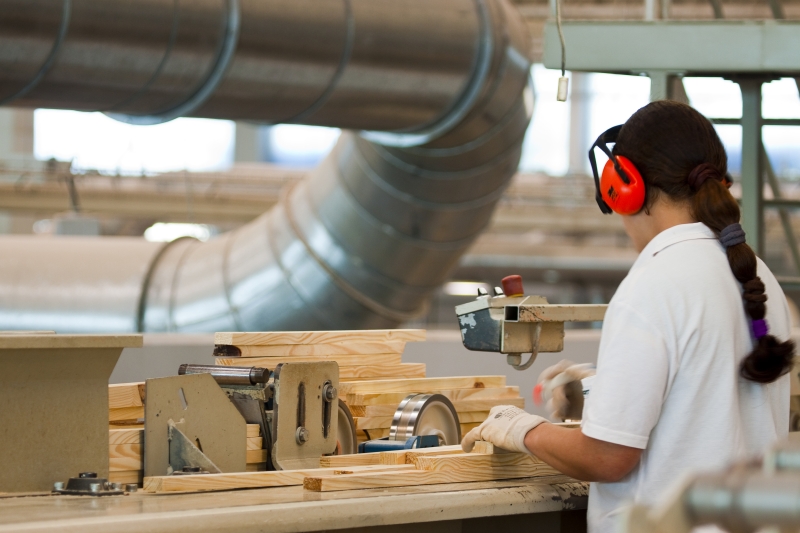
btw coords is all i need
(229, 375)
(426, 414)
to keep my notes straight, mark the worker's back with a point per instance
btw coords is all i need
(668, 370)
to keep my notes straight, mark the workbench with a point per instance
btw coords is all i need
(551, 504)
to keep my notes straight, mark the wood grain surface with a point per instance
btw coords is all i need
(317, 337)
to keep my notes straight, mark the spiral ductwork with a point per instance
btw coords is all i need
(436, 91)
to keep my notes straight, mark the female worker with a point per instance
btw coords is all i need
(689, 372)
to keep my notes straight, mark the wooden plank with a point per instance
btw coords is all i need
(125, 436)
(126, 413)
(344, 470)
(255, 467)
(466, 428)
(256, 456)
(356, 459)
(402, 371)
(239, 480)
(486, 447)
(394, 398)
(315, 350)
(454, 463)
(122, 462)
(380, 422)
(422, 384)
(255, 443)
(48, 340)
(126, 476)
(269, 338)
(126, 424)
(324, 483)
(253, 430)
(402, 456)
(125, 395)
(462, 406)
(343, 360)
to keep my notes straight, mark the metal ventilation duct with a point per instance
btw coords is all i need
(438, 91)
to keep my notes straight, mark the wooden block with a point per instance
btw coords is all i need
(371, 468)
(342, 360)
(123, 457)
(485, 447)
(126, 476)
(312, 350)
(126, 424)
(125, 395)
(356, 459)
(501, 394)
(476, 461)
(462, 406)
(239, 480)
(255, 443)
(422, 384)
(125, 436)
(126, 413)
(402, 371)
(358, 410)
(256, 456)
(323, 483)
(256, 467)
(253, 430)
(400, 457)
(269, 338)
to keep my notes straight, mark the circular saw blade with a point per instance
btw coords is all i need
(426, 414)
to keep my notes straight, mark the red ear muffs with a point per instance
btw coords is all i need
(623, 194)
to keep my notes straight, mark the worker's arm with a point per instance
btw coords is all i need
(579, 456)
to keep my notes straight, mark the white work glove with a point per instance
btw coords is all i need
(505, 427)
(552, 386)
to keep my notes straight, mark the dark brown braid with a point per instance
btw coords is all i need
(679, 154)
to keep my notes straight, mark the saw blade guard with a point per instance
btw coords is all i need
(426, 414)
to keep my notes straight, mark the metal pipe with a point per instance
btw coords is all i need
(229, 375)
(439, 91)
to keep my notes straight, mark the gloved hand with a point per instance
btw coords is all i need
(505, 427)
(553, 388)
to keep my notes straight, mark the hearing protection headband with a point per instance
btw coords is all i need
(608, 136)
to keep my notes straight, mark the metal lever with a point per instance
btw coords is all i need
(515, 359)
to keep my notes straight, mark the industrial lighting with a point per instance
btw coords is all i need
(464, 288)
(169, 231)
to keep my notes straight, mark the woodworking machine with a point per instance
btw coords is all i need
(196, 422)
(511, 323)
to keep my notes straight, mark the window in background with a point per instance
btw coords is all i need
(297, 145)
(94, 141)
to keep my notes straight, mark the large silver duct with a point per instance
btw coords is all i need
(438, 90)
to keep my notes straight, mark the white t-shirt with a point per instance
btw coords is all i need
(668, 371)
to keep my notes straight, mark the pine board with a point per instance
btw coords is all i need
(122, 460)
(253, 430)
(125, 436)
(343, 360)
(125, 395)
(408, 456)
(321, 350)
(255, 443)
(321, 483)
(270, 338)
(255, 467)
(422, 384)
(394, 398)
(479, 461)
(239, 480)
(356, 459)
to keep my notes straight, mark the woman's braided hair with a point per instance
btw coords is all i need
(679, 154)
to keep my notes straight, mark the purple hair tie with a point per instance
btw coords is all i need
(732, 235)
(760, 328)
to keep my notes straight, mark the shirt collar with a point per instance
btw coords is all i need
(674, 235)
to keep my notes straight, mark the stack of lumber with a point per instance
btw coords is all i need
(373, 403)
(427, 466)
(362, 354)
(125, 439)
(373, 378)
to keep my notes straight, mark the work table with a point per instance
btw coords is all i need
(442, 508)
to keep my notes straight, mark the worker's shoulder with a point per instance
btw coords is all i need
(686, 267)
